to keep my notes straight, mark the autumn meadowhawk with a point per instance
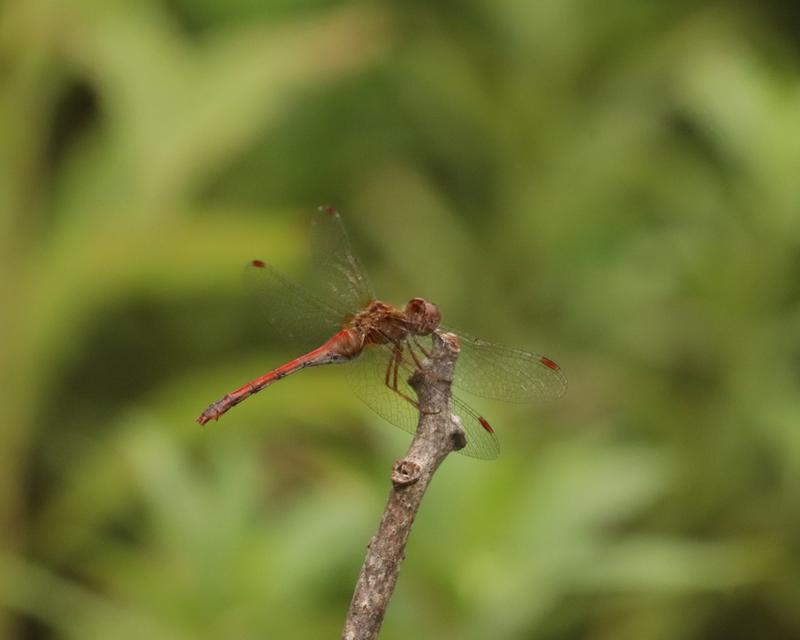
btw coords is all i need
(383, 344)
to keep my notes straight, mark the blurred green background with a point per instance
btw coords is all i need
(612, 184)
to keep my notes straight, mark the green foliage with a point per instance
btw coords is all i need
(613, 184)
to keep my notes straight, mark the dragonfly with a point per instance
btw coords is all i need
(382, 344)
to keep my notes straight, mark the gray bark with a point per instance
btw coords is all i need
(438, 434)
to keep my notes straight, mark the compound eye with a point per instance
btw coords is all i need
(416, 305)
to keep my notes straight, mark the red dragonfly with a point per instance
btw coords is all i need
(383, 344)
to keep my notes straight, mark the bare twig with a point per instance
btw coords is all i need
(438, 434)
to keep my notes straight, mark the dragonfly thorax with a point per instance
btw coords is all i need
(381, 322)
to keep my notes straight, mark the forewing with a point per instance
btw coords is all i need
(339, 274)
(504, 373)
(290, 310)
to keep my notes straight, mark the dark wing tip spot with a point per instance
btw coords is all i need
(258, 263)
(485, 424)
(329, 210)
(547, 362)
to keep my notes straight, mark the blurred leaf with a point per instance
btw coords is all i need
(613, 185)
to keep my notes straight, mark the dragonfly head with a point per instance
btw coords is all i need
(423, 316)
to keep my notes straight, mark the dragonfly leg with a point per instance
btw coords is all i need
(413, 355)
(389, 372)
(421, 348)
(394, 364)
(392, 374)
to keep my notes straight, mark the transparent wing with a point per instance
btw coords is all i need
(290, 310)
(305, 316)
(504, 373)
(372, 377)
(482, 441)
(338, 272)
(367, 375)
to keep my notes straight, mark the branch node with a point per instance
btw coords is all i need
(405, 472)
(458, 436)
